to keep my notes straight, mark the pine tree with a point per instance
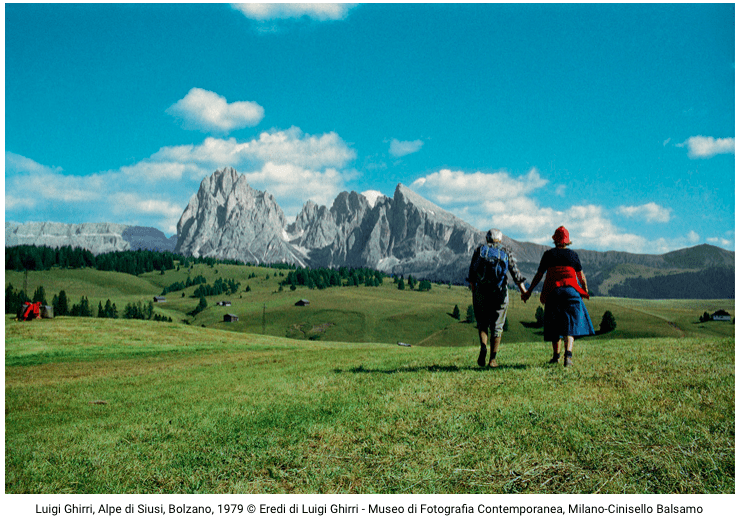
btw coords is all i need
(85, 310)
(608, 323)
(39, 296)
(63, 306)
(456, 312)
(470, 314)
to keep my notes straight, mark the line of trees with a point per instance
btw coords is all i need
(180, 285)
(321, 278)
(412, 282)
(62, 306)
(41, 257)
(139, 311)
(220, 286)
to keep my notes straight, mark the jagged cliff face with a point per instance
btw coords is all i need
(406, 233)
(229, 219)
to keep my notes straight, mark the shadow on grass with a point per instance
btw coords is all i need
(430, 368)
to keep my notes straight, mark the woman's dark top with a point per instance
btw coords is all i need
(560, 258)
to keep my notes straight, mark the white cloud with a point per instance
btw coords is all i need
(726, 241)
(290, 165)
(293, 186)
(206, 111)
(447, 186)
(113, 196)
(166, 213)
(318, 12)
(148, 171)
(649, 212)
(398, 148)
(27, 181)
(501, 200)
(707, 147)
(280, 147)
(15, 202)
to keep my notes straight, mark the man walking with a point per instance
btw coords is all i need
(488, 279)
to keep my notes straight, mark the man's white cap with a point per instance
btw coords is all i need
(494, 236)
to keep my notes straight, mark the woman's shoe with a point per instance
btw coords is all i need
(482, 361)
(568, 359)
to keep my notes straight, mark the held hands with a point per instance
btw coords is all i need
(525, 295)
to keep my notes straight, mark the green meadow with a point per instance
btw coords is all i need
(322, 399)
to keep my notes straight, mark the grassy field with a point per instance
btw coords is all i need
(113, 406)
(361, 314)
(97, 405)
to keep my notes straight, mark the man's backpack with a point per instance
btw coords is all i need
(492, 266)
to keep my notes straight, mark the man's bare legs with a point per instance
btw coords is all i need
(494, 347)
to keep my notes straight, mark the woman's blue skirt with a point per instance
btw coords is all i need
(565, 315)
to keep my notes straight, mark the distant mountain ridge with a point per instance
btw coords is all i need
(98, 238)
(405, 234)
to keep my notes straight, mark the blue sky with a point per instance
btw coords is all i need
(614, 120)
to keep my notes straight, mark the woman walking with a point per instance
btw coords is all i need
(565, 315)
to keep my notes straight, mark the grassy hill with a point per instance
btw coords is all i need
(113, 406)
(359, 314)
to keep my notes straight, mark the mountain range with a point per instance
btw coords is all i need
(405, 234)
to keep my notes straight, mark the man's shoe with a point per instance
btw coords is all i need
(482, 357)
(554, 359)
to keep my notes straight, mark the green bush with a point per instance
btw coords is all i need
(608, 323)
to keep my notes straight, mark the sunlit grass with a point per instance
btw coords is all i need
(129, 406)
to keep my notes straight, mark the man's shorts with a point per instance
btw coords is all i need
(490, 309)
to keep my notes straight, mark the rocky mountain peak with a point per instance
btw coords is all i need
(229, 219)
(406, 233)
(349, 207)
